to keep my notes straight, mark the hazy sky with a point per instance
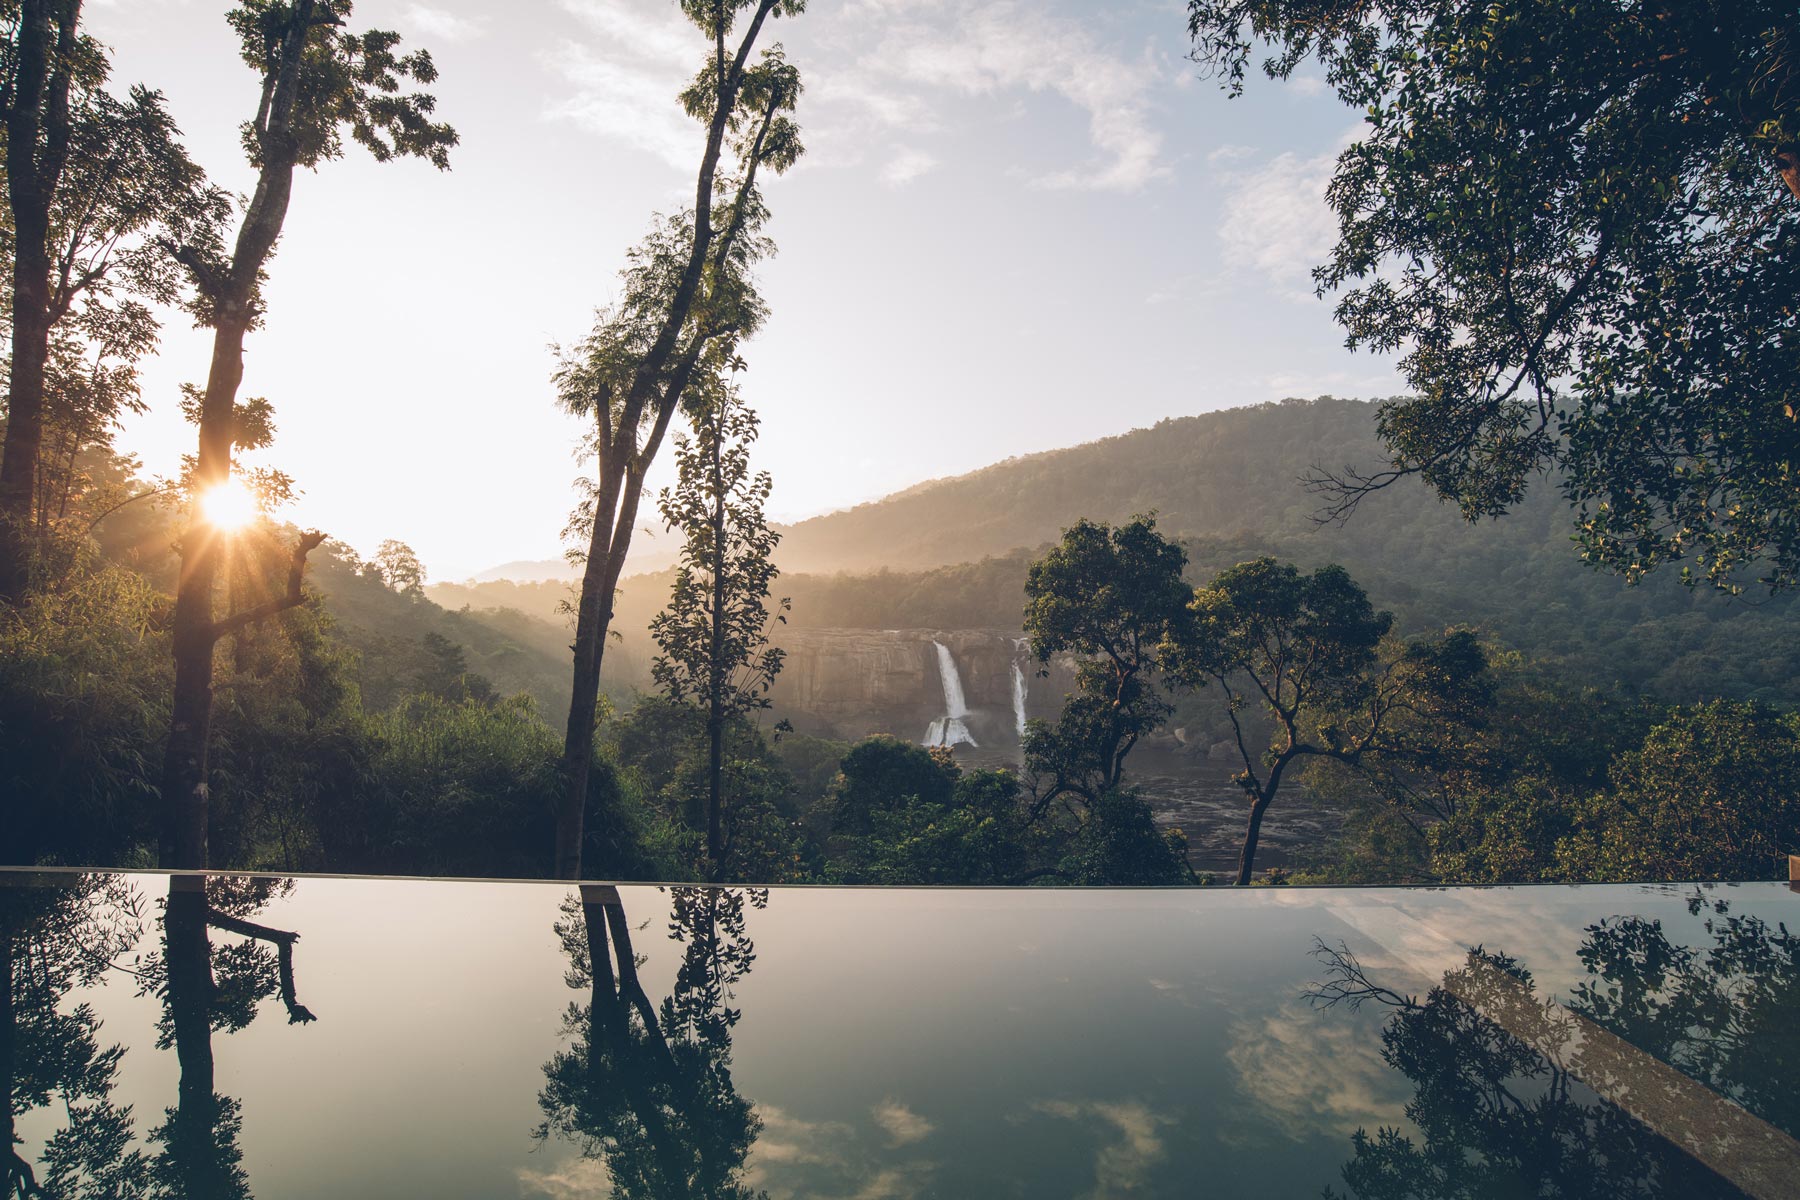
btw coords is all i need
(1019, 225)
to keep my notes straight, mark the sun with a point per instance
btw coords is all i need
(229, 506)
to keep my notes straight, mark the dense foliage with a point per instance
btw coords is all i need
(1579, 224)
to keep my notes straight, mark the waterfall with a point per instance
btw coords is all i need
(949, 729)
(1018, 673)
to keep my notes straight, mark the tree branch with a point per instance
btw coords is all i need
(308, 542)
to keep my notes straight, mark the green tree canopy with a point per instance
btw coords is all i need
(1310, 652)
(1110, 597)
(1713, 793)
(1579, 223)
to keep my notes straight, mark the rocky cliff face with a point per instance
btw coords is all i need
(850, 683)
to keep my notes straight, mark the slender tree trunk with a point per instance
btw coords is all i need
(1259, 805)
(37, 133)
(1247, 856)
(25, 424)
(716, 681)
(646, 393)
(715, 788)
(593, 620)
(597, 591)
(184, 777)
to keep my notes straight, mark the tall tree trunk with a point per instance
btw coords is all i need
(626, 484)
(715, 789)
(593, 620)
(184, 778)
(37, 140)
(1263, 797)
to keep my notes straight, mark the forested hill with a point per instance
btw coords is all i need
(1229, 484)
(954, 553)
(1216, 474)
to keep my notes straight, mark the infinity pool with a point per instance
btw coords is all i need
(384, 1037)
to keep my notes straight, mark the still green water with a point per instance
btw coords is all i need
(423, 1038)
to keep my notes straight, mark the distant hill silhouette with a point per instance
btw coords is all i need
(523, 570)
(1213, 475)
(651, 550)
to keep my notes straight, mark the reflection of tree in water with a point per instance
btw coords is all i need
(1518, 1096)
(54, 939)
(1728, 1017)
(645, 1088)
(204, 989)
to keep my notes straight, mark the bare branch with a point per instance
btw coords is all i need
(308, 542)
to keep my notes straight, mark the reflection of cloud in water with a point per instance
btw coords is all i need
(1422, 934)
(1207, 992)
(826, 1160)
(788, 1139)
(1313, 1073)
(576, 1179)
(1121, 1167)
(902, 1125)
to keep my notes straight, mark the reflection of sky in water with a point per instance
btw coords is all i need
(895, 1043)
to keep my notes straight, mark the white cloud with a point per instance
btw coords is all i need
(902, 1125)
(1276, 223)
(889, 71)
(889, 107)
(906, 165)
(624, 84)
(994, 47)
(1122, 1166)
(425, 20)
(1308, 85)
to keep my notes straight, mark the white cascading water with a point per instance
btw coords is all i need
(949, 729)
(1019, 697)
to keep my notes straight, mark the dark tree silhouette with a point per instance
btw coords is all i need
(1578, 224)
(1307, 650)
